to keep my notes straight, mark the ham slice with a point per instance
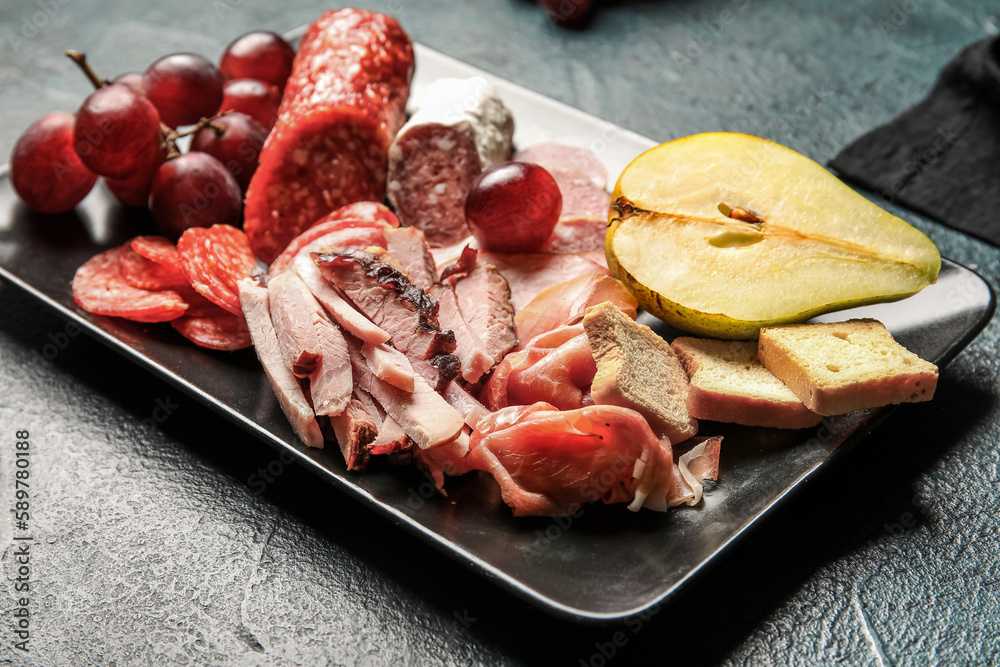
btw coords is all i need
(354, 429)
(311, 344)
(483, 297)
(389, 365)
(390, 439)
(343, 313)
(422, 414)
(567, 303)
(465, 403)
(475, 360)
(293, 402)
(409, 247)
(550, 462)
(402, 309)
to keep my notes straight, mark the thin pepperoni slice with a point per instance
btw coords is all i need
(100, 288)
(157, 249)
(218, 330)
(214, 260)
(147, 274)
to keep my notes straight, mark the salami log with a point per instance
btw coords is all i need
(343, 104)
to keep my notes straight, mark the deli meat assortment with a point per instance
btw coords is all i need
(442, 329)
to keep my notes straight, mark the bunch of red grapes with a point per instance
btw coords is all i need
(126, 132)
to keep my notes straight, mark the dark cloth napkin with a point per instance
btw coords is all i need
(942, 157)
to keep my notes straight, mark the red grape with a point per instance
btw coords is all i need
(185, 87)
(194, 190)
(260, 55)
(236, 145)
(117, 131)
(45, 170)
(133, 190)
(513, 207)
(567, 12)
(131, 79)
(256, 99)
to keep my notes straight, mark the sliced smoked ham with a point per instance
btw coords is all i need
(293, 402)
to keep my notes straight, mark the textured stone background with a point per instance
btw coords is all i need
(153, 548)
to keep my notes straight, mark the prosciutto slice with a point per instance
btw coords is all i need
(557, 367)
(567, 303)
(531, 273)
(293, 402)
(311, 344)
(551, 463)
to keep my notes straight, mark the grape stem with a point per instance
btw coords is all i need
(170, 135)
(81, 61)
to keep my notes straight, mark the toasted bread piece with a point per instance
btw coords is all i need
(843, 366)
(637, 369)
(729, 384)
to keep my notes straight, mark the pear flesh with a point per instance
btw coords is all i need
(720, 234)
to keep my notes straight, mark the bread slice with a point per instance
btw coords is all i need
(637, 369)
(843, 366)
(729, 384)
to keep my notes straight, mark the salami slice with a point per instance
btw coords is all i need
(147, 274)
(100, 288)
(214, 260)
(218, 331)
(552, 155)
(343, 104)
(158, 249)
(460, 128)
(581, 198)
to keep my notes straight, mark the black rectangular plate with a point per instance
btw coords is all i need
(605, 565)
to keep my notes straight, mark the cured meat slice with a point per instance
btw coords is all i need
(550, 462)
(528, 274)
(402, 309)
(554, 156)
(557, 367)
(567, 303)
(363, 214)
(343, 313)
(292, 400)
(460, 128)
(389, 365)
(390, 439)
(219, 331)
(343, 104)
(355, 430)
(581, 198)
(464, 402)
(336, 241)
(475, 360)
(448, 459)
(147, 274)
(409, 247)
(215, 260)
(158, 249)
(312, 345)
(100, 288)
(422, 414)
(576, 235)
(484, 300)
